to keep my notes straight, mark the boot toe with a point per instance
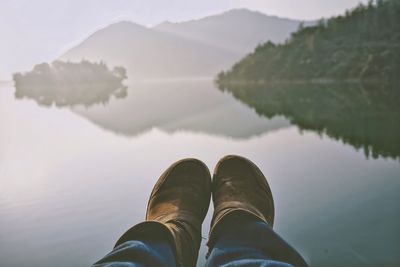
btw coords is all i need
(240, 186)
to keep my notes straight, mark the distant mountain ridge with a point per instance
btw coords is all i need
(147, 54)
(237, 30)
(197, 48)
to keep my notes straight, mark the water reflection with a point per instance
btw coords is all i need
(78, 195)
(70, 84)
(194, 106)
(366, 117)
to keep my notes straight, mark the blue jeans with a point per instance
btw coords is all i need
(244, 241)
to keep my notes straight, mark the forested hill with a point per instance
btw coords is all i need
(363, 44)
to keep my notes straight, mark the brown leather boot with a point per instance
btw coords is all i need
(176, 208)
(239, 185)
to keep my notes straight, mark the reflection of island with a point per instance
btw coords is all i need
(70, 84)
(194, 106)
(366, 117)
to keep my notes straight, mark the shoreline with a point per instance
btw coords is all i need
(311, 81)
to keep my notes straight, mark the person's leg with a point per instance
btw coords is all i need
(153, 250)
(175, 211)
(245, 240)
(241, 228)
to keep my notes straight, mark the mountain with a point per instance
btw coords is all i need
(364, 44)
(238, 30)
(146, 53)
(197, 48)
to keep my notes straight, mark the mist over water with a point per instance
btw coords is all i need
(73, 180)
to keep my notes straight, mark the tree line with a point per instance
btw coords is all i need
(363, 44)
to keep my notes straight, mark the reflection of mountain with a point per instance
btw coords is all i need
(174, 106)
(367, 118)
(191, 49)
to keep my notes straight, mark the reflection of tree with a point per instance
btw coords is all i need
(366, 117)
(70, 84)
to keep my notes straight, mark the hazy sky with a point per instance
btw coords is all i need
(33, 31)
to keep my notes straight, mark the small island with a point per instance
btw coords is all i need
(70, 84)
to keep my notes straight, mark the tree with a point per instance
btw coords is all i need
(120, 72)
(41, 68)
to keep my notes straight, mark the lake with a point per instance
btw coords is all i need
(73, 179)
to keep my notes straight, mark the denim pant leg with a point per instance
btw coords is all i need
(248, 241)
(152, 251)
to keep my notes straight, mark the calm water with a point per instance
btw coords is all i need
(72, 180)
